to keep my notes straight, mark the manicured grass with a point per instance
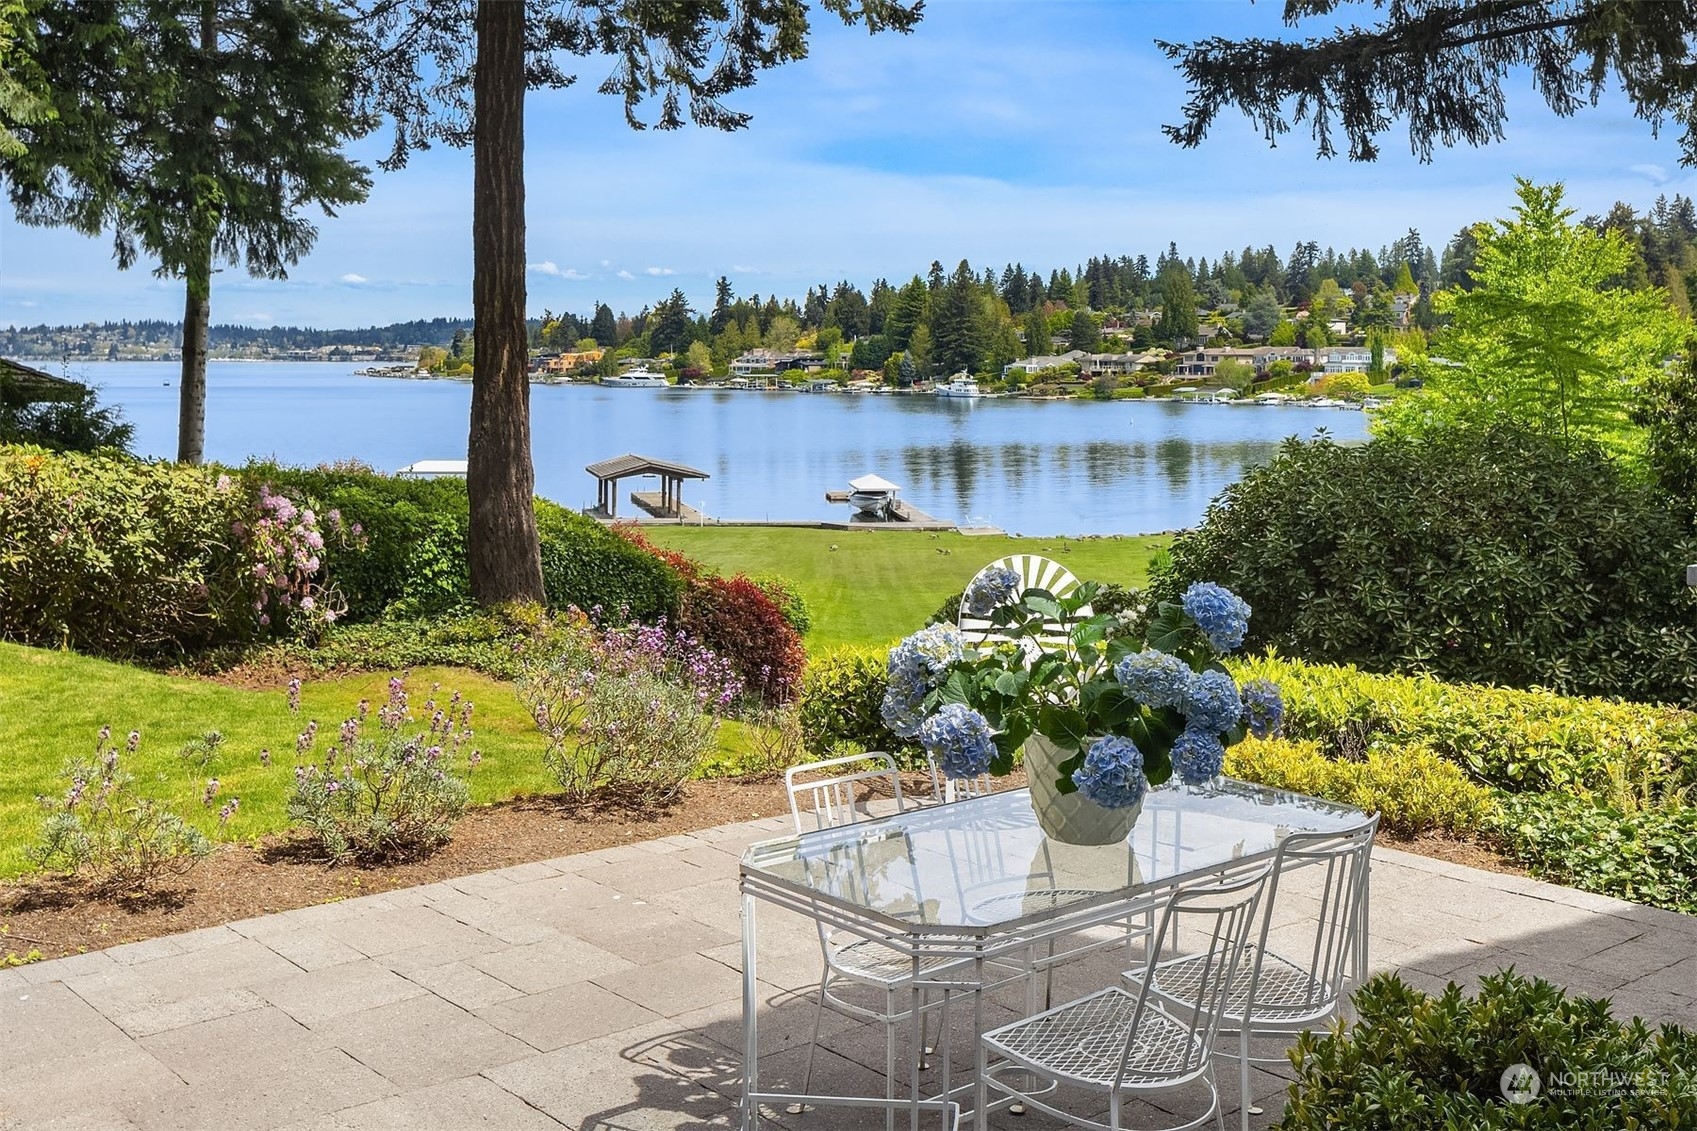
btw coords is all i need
(53, 704)
(876, 586)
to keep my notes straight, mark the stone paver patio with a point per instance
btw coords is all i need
(602, 991)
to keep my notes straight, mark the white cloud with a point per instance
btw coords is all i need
(350, 277)
(1655, 174)
(737, 269)
(606, 263)
(626, 276)
(546, 267)
(661, 271)
(259, 316)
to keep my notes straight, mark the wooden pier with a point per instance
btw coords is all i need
(903, 516)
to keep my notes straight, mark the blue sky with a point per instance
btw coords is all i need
(1001, 130)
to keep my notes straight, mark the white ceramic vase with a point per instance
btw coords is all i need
(1070, 817)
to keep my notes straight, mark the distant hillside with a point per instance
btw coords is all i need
(157, 338)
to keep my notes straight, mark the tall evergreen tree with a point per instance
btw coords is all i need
(194, 131)
(722, 299)
(960, 336)
(1038, 343)
(603, 327)
(457, 71)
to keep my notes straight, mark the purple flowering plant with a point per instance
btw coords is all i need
(1054, 668)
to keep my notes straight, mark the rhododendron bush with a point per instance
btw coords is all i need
(112, 555)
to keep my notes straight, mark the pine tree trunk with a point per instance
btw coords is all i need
(505, 556)
(191, 403)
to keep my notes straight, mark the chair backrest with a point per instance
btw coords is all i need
(1035, 572)
(1342, 861)
(949, 789)
(822, 794)
(1220, 915)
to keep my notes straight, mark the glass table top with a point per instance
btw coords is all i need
(983, 865)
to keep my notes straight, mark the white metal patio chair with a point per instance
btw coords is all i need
(1132, 1043)
(949, 790)
(822, 795)
(1287, 995)
(1035, 572)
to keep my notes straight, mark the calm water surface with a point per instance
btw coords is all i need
(1031, 467)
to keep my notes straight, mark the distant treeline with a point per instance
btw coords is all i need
(45, 340)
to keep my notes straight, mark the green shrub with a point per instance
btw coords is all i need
(410, 560)
(1414, 1062)
(783, 593)
(841, 699)
(1497, 557)
(116, 556)
(391, 791)
(1647, 855)
(102, 833)
(1518, 740)
(492, 643)
(1413, 790)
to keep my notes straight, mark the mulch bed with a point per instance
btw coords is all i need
(241, 881)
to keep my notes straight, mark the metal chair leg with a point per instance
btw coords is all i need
(807, 1071)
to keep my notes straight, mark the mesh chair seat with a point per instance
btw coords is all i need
(1285, 992)
(1082, 1042)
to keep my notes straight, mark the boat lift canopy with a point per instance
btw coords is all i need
(873, 483)
(608, 472)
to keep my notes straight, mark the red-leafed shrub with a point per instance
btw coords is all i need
(732, 616)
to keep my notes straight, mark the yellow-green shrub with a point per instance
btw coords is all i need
(840, 699)
(1414, 790)
(1518, 740)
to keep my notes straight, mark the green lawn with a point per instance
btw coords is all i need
(876, 586)
(53, 704)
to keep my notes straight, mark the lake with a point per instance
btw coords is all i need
(1029, 467)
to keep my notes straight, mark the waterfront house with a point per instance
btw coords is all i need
(572, 360)
(1033, 365)
(1350, 359)
(1202, 362)
(1117, 364)
(774, 361)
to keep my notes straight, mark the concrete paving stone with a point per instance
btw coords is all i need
(1651, 950)
(615, 854)
(310, 948)
(464, 985)
(262, 1093)
(84, 1082)
(100, 1119)
(554, 1019)
(675, 986)
(163, 947)
(594, 1085)
(480, 884)
(786, 1020)
(47, 1023)
(1678, 978)
(59, 969)
(453, 1105)
(337, 911)
(425, 895)
(175, 1015)
(644, 932)
(404, 928)
(224, 1048)
(316, 996)
(421, 1041)
(537, 870)
(551, 964)
(645, 874)
(127, 990)
(1576, 942)
(557, 900)
(668, 844)
(790, 968)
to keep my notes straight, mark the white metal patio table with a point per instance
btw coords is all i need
(958, 890)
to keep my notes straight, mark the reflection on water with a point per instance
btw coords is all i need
(1029, 467)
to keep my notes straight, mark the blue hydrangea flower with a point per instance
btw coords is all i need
(960, 739)
(1222, 615)
(1197, 756)
(1263, 708)
(916, 667)
(1211, 703)
(1156, 678)
(995, 586)
(1112, 774)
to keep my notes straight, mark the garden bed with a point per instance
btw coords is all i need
(239, 881)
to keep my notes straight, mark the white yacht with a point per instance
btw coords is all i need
(960, 386)
(639, 378)
(872, 496)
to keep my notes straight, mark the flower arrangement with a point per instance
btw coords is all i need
(1128, 713)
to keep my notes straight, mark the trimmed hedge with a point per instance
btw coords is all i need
(1414, 1062)
(841, 698)
(1413, 790)
(113, 555)
(411, 558)
(1518, 740)
(1498, 557)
